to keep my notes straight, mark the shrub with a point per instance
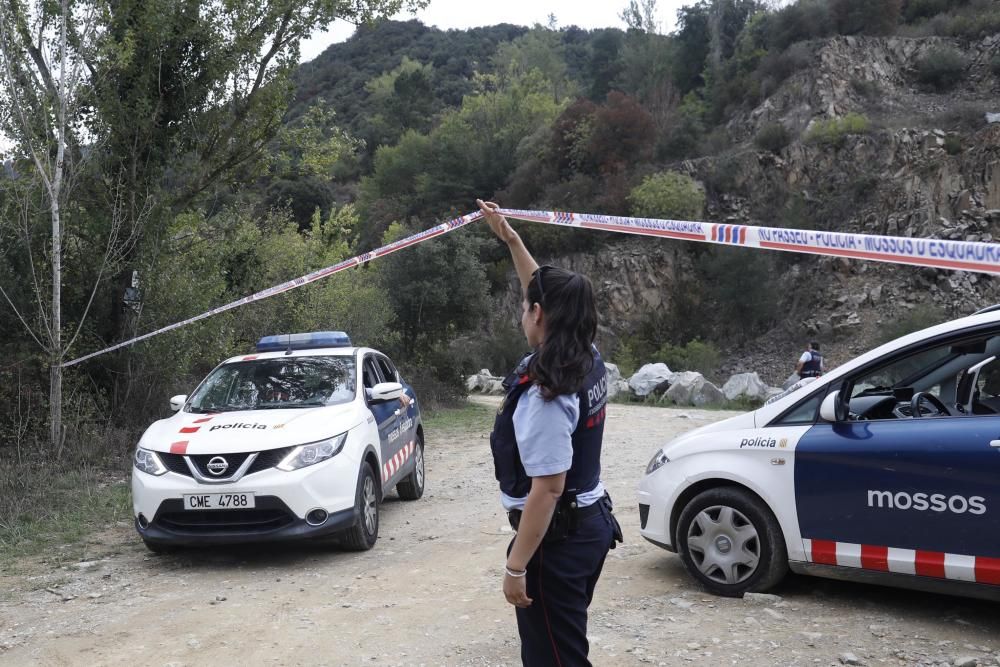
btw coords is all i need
(668, 194)
(871, 17)
(919, 318)
(773, 137)
(832, 132)
(976, 23)
(963, 116)
(941, 68)
(953, 144)
(869, 90)
(693, 356)
(922, 9)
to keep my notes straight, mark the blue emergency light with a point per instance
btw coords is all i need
(303, 341)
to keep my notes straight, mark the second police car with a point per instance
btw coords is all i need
(887, 469)
(301, 439)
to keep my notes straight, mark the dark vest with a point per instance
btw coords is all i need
(585, 471)
(812, 368)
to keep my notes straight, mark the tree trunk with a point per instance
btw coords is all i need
(55, 405)
(55, 372)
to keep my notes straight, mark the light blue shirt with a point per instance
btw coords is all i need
(544, 433)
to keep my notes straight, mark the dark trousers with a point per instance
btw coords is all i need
(560, 581)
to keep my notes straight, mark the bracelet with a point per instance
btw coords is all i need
(517, 574)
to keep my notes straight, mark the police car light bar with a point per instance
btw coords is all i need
(303, 341)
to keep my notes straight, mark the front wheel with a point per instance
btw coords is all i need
(364, 533)
(731, 543)
(412, 487)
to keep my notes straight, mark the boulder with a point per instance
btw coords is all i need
(617, 387)
(745, 384)
(484, 382)
(790, 380)
(690, 388)
(614, 375)
(648, 378)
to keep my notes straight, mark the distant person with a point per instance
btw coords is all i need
(810, 364)
(546, 445)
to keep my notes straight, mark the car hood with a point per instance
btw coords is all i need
(692, 442)
(248, 430)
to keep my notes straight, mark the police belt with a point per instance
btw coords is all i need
(579, 514)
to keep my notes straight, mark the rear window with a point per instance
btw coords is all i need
(262, 384)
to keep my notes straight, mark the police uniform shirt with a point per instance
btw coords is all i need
(807, 356)
(544, 431)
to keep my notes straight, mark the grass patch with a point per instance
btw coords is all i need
(47, 508)
(471, 416)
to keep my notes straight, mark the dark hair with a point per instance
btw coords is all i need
(565, 357)
(814, 345)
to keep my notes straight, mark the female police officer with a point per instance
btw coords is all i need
(547, 453)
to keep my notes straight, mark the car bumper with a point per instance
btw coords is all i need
(269, 521)
(282, 501)
(656, 496)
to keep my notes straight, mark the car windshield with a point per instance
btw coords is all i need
(286, 382)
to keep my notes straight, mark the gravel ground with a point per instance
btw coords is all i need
(429, 592)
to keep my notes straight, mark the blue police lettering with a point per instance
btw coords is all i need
(790, 236)
(239, 425)
(889, 245)
(936, 502)
(836, 240)
(758, 442)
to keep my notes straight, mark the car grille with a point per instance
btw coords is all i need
(643, 515)
(270, 514)
(265, 460)
(234, 460)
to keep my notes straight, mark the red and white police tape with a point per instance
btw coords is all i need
(319, 274)
(937, 253)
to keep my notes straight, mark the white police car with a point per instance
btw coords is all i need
(301, 439)
(887, 469)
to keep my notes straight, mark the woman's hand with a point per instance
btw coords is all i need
(497, 222)
(515, 590)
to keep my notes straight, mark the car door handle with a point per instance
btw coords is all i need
(994, 443)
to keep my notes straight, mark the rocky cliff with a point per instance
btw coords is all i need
(927, 166)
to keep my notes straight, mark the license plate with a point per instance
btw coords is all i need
(218, 501)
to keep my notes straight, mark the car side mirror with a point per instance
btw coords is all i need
(833, 409)
(177, 402)
(386, 391)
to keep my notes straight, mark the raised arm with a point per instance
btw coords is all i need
(524, 263)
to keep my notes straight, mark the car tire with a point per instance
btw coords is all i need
(731, 543)
(412, 486)
(364, 533)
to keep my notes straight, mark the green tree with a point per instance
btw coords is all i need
(143, 108)
(402, 99)
(437, 289)
(538, 49)
(668, 194)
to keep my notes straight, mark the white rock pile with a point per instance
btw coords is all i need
(656, 380)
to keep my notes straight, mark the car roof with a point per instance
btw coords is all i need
(982, 318)
(311, 352)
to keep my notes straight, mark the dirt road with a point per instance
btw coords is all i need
(429, 593)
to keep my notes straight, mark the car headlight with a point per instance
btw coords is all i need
(312, 453)
(148, 462)
(655, 463)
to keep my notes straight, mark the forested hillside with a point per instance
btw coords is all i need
(199, 171)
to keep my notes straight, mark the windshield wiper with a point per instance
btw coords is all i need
(288, 406)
